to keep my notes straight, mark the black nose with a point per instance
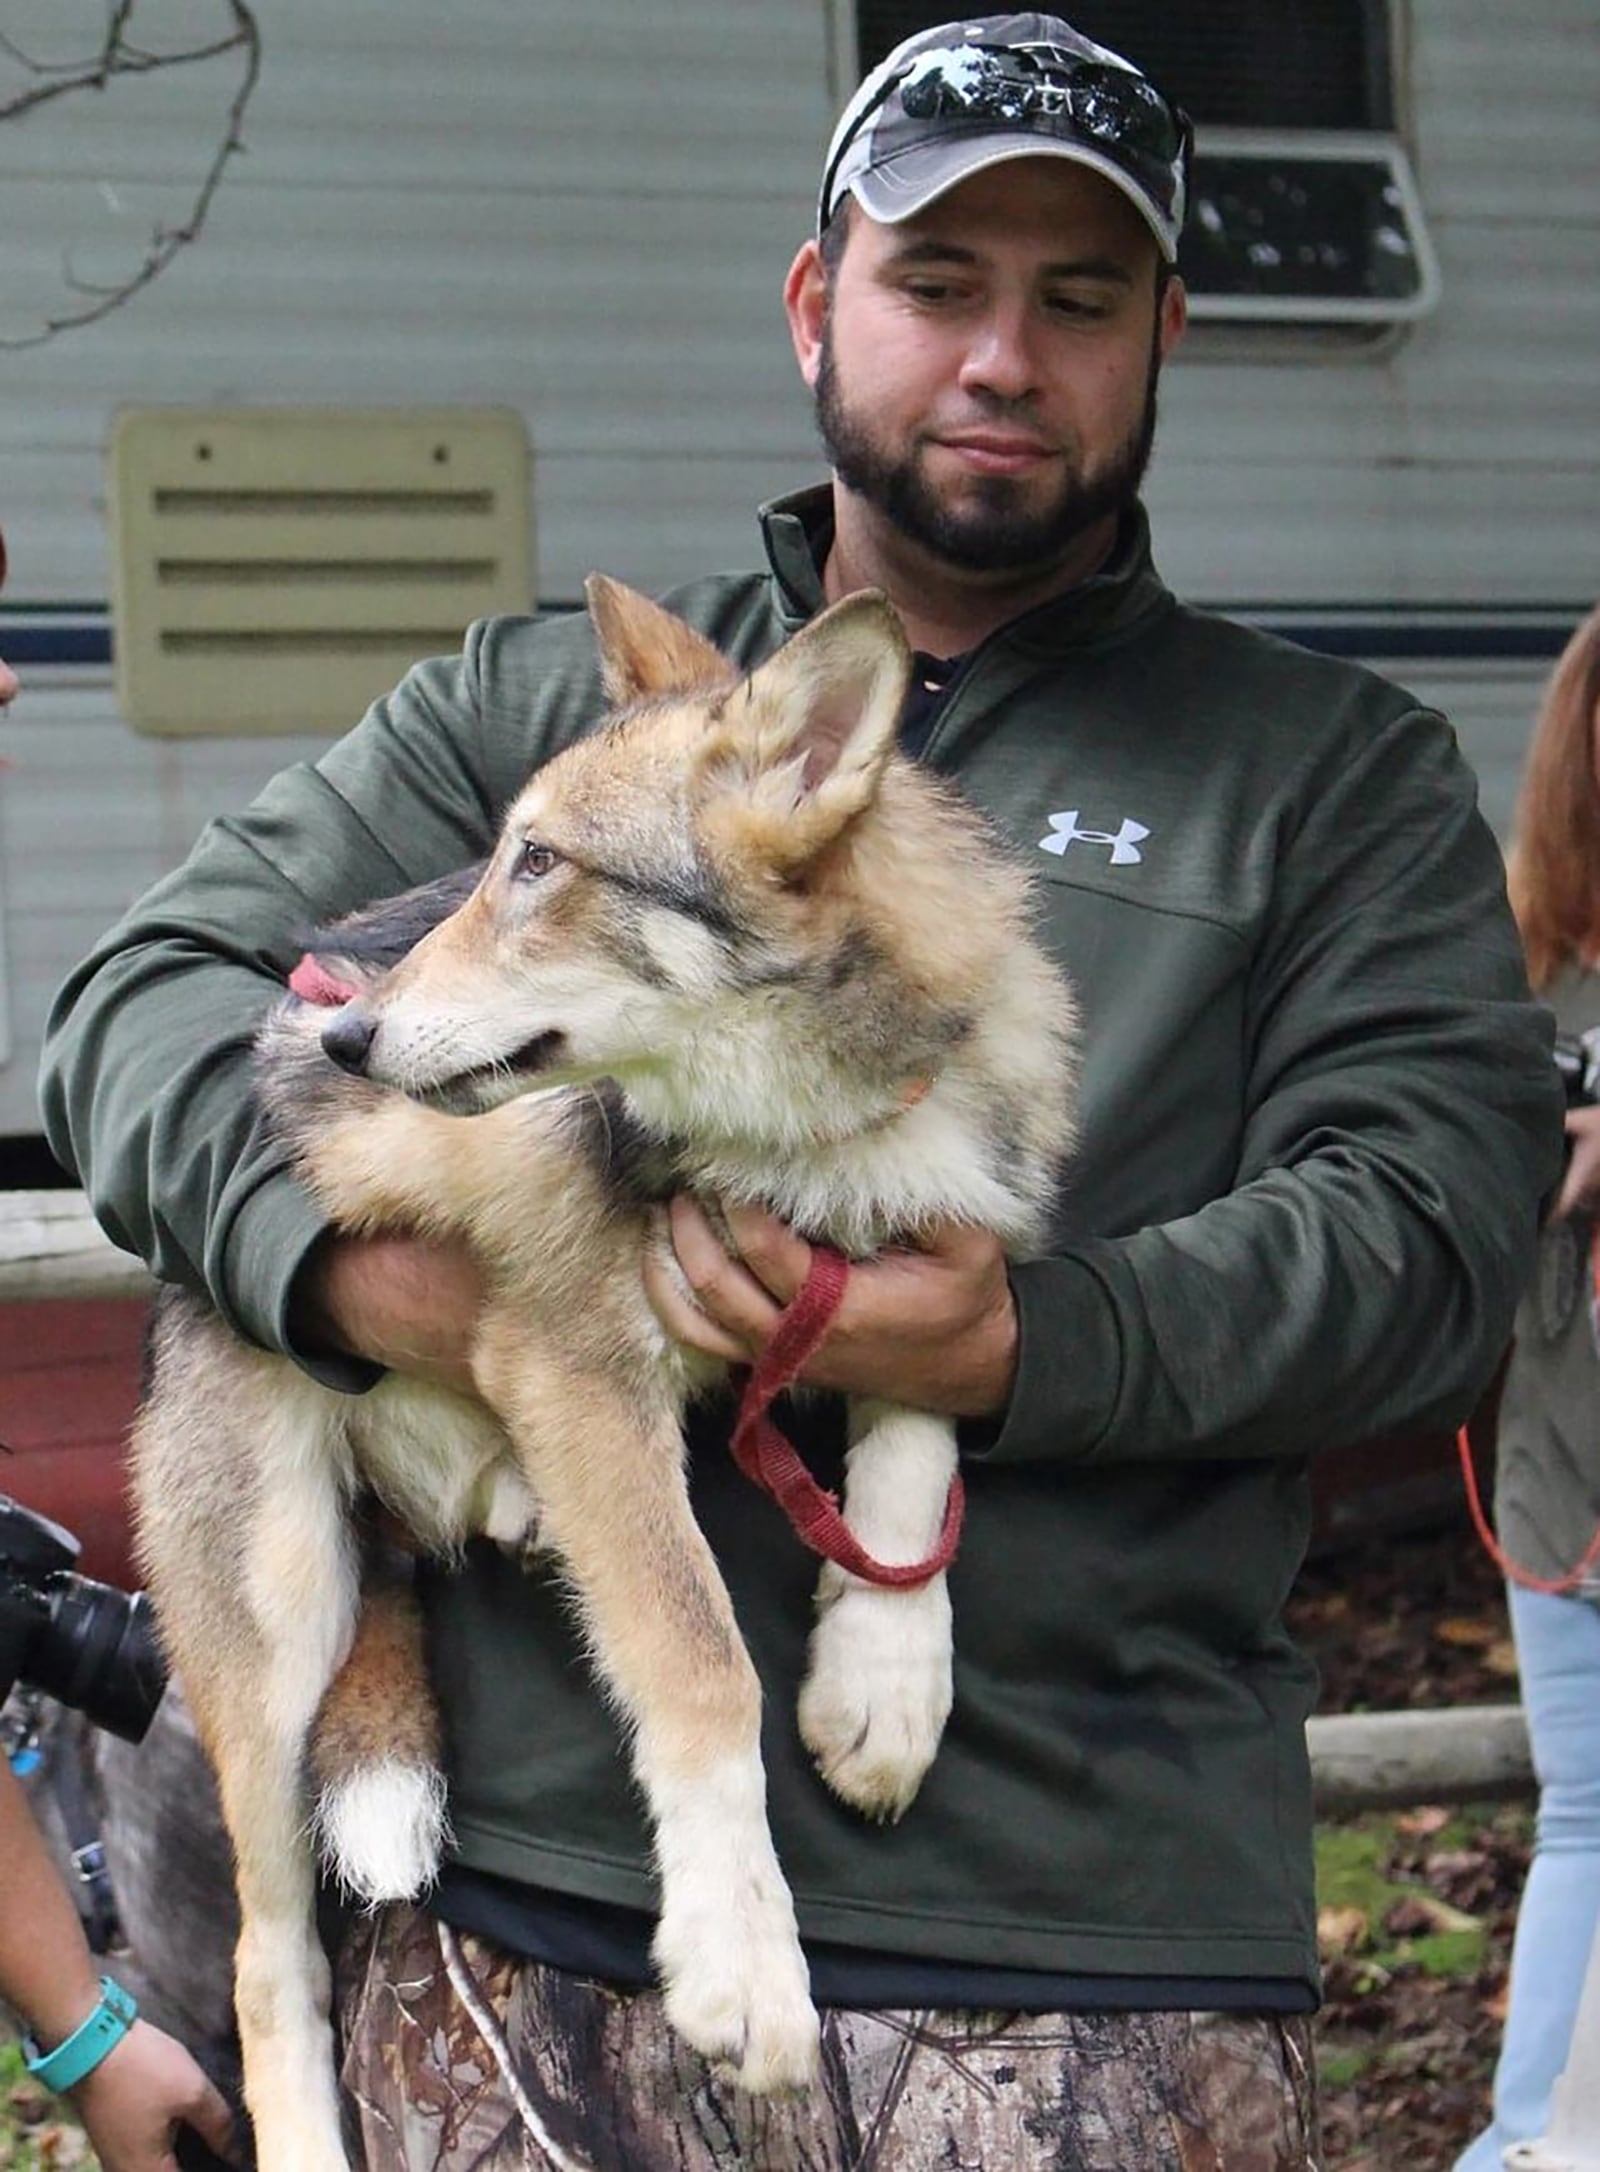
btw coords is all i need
(348, 1038)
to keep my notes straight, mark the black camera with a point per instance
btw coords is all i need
(85, 1644)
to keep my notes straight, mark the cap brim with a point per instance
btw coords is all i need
(901, 186)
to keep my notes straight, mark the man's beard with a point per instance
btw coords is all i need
(995, 530)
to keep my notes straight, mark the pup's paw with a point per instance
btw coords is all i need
(383, 1830)
(735, 1986)
(878, 1690)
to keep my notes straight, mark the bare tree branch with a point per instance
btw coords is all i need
(118, 57)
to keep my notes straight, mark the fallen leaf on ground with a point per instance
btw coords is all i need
(1342, 1930)
(1418, 1914)
(1424, 1823)
(1456, 1862)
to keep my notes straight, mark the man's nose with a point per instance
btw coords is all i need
(1001, 357)
(347, 1039)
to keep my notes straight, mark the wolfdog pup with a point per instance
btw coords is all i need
(737, 932)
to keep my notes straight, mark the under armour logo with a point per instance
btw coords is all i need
(1124, 843)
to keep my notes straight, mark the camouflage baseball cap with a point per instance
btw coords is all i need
(952, 100)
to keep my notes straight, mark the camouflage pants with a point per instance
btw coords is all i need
(610, 2086)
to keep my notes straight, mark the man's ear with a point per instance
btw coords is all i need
(802, 745)
(644, 649)
(1174, 315)
(805, 302)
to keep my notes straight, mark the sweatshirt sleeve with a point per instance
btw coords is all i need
(1402, 1124)
(145, 1085)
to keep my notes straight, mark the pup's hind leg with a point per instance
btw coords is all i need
(283, 1985)
(282, 1981)
(878, 1688)
(376, 1767)
(615, 1507)
(255, 1585)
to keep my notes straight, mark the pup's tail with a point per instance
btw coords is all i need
(375, 1755)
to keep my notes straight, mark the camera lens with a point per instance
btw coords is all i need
(99, 1654)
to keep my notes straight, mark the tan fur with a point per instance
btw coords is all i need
(807, 972)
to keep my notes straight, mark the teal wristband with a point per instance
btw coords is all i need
(88, 2044)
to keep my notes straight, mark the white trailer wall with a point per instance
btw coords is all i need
(587, 214)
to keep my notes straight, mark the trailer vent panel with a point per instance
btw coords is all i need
(275, 569)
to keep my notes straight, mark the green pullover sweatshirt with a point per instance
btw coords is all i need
(1319, 1112)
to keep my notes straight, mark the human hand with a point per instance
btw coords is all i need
(144, 2088)
(934, 1329)
(1580, 1187)
(410, 1303)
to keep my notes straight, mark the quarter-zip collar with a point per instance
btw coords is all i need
(1127, 591)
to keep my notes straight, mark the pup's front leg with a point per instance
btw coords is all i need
(878, 1689)
(615, 1509)
(727, 1950)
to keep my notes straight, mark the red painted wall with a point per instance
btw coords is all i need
(69, 1381)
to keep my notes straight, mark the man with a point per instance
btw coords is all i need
(1318, 1116)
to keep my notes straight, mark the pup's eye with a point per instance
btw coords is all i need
(533, 860)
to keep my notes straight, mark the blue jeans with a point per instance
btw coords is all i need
(1558, 1654)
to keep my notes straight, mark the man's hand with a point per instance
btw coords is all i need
(1580, 1188)
(406, 1302)
(934, 1329)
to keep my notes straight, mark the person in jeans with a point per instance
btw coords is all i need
(1547, 1474)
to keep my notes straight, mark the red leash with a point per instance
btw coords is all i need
(759, 1449)
(765, 1457)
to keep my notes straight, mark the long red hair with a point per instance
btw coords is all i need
(1554, 867)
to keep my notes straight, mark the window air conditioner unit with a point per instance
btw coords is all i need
(1306, 226)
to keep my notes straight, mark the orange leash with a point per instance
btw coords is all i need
(1579, 1573)
(1514, 1569)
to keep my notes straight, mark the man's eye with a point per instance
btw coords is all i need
(534, 861)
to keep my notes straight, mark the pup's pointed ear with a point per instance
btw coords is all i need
(811, 730)
(644, 649)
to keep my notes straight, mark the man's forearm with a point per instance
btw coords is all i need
(406, 1303)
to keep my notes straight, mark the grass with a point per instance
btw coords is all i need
(1387, 1922)
(37, 2130)
(1379, 1924)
